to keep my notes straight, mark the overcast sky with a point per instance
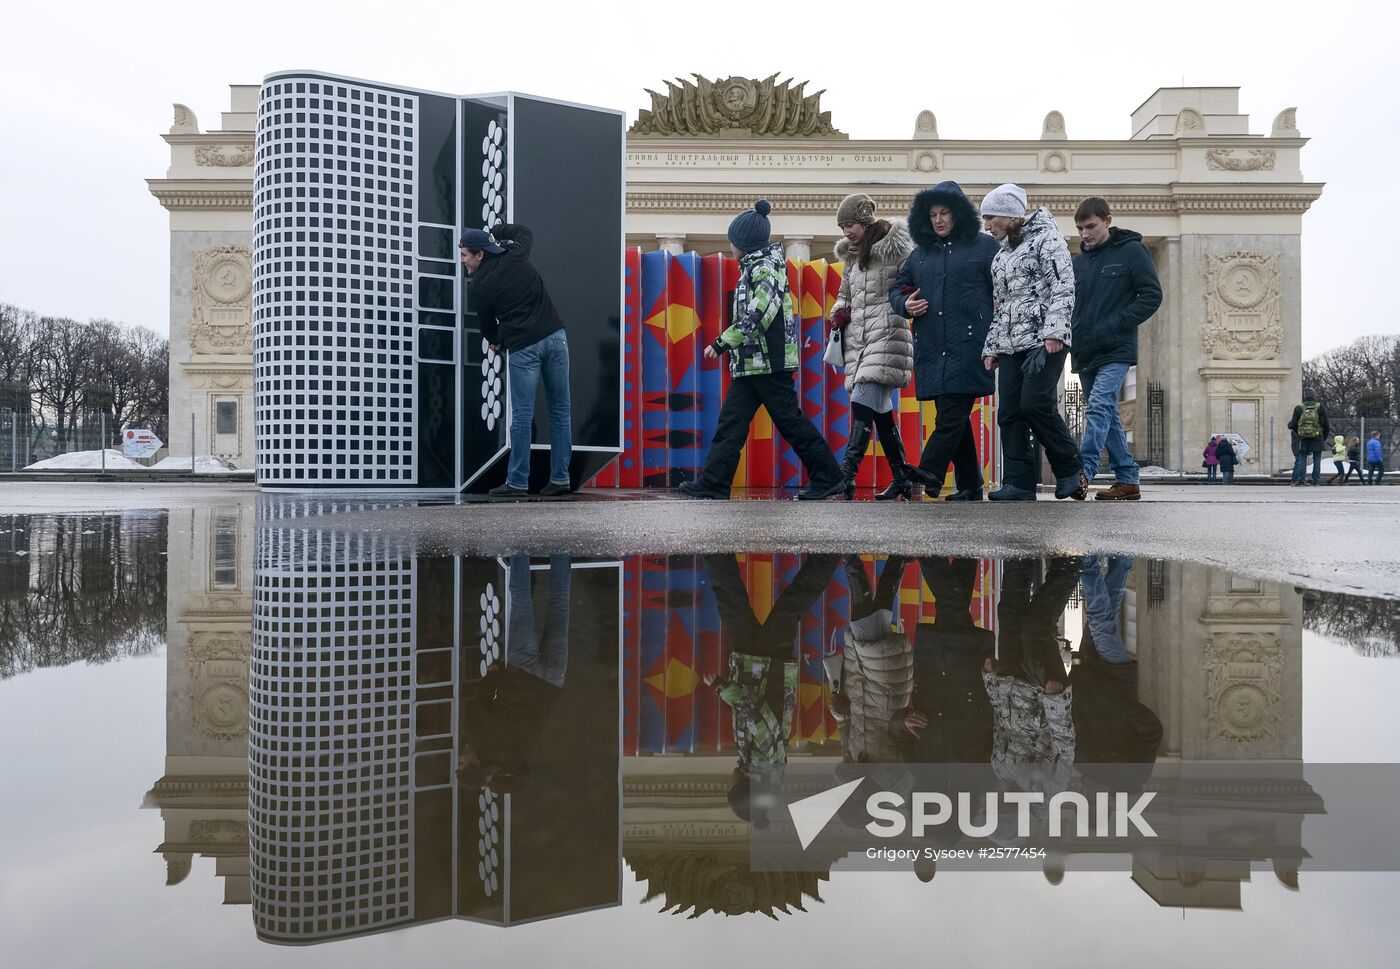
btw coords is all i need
(88, 89)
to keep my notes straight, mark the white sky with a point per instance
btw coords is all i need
(88, 89)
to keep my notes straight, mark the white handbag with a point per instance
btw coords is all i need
(835, 352)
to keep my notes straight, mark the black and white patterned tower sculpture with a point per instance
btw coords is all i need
(369, 366)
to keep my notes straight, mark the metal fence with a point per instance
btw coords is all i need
(93, 444)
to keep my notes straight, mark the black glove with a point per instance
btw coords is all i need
(1034, 362)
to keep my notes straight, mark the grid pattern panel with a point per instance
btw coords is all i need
(330, 730)
(333, 284)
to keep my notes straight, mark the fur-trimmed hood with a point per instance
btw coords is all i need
(895, 245)
(966, 223)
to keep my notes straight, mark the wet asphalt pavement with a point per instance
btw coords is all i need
(1340, 539)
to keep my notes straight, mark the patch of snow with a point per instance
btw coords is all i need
(86, 461)
(204, 464)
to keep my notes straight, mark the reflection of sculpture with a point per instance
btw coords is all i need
(734, 105)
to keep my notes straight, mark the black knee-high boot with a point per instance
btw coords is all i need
(855, 453)
(900, 485)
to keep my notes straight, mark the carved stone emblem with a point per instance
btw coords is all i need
(223, 156)
(1054, 162)
(1243, 319)
(218, 831)
(1244, 683)
(1189, 123)
(223, 284)
(735, 107)
(926, 161)
(219, 683)
(1247, 160)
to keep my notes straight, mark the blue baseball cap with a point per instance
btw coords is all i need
(480, 239)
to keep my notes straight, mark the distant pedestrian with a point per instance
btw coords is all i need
(762, 348)
(1375, 459)
(1211, 462)
(1225, 454)
(876, 343)
(1033, 299)
(1354, 461)
(1115, 290)
(1312, 427)
(1339, 458)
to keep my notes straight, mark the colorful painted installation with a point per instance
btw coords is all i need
(672, 638)
(675, 306)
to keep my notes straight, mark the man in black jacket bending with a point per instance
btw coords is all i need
(1115, 289)
(516, 313)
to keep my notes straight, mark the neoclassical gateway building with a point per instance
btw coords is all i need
(1220, 207)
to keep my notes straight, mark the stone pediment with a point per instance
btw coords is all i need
(735, 107)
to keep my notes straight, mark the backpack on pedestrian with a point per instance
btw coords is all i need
(1310, 421)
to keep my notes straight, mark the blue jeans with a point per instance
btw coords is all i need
(548, 360)
(1103, 428)
(1300, 466)
(1103, 598)
(544, 654)
(1212, 472)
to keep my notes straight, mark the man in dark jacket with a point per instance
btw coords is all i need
(1311, 427)
(516, 313)
(945, 287)
(1115, 289)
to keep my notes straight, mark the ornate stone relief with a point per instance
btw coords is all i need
(223, 156)
(734, 106)
(1243, 319)
(927, 161)
(1244, 686)
(1054, 162)
(926, 126)
(220, 380)
(218, 832)
(184, 121)
(1189, 123)
(1286, 123)
(219, 684)
(223, 284)
(1053, 127)
(1241, 160)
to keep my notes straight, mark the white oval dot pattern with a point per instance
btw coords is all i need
(488, 860)
(492, 389)
(493, 202)
(490, 626)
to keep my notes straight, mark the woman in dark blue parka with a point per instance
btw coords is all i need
(945, 287)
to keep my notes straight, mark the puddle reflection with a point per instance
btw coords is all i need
(363, 737)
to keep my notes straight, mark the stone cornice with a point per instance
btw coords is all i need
(208, 193)
(210, 138)
(686, 143)
(1291, 198)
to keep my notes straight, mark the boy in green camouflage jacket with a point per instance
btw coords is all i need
(763, 356)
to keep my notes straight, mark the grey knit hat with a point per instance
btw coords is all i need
(750, 230)
(856, 208)
(1006, 199)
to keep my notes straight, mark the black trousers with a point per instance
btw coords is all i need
(952, 440)
(1026, 404)
(776, 393)
(776, 635)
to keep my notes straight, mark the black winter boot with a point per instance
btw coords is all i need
(861, 432)
(901, 486)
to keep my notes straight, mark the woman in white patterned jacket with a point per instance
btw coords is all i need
(1028, 343)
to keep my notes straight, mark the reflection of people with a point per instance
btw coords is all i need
(1032, 733)
(949, 719)
(872, 676)
(760, 684)
(516, 313)
(1111, 726)
(504, 714)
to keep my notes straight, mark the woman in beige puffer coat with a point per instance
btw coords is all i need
(878, 345)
